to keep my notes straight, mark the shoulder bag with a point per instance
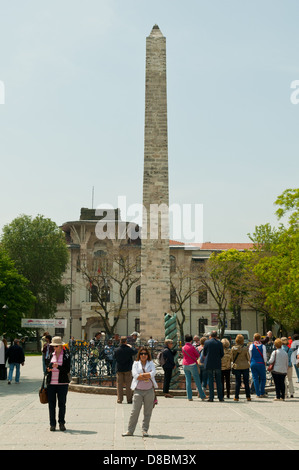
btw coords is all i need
(195, 359)
(271, 366)
(43, 394)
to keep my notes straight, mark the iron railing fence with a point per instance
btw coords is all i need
(94, 364)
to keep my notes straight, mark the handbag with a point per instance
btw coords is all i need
(234, 364)
(271, 366)
(43, 393)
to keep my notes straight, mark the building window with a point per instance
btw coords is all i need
(203, 296)
(100, 262)
(138, 290)
(138, 264)
(93, 294)
(172, 264)
(198, 264)
(137, 325)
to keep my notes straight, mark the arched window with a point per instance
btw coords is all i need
(100, 262)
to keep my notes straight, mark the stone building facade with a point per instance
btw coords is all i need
(80, 310)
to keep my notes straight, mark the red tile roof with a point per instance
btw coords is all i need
(175, 243)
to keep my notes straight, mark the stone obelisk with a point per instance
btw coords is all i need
(155, 270)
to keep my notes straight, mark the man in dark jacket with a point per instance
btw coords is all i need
(213, 352)
(124, 361)
(168, 366)
(15, 355)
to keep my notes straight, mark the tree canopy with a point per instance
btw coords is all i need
(277, 266)
(40, 253)
(14, 294)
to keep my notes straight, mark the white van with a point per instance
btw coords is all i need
(232, 334)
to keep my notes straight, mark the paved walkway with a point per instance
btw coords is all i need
(95, 422)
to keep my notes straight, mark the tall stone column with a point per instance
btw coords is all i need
(155, 269)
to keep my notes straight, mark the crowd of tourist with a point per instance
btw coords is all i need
(209, 361)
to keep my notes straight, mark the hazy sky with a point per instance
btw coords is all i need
(73, 83)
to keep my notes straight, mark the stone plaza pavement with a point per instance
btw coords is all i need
(96, 422)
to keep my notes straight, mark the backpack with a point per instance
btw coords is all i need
(161, 358)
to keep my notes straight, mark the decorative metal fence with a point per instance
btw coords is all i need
(94, 364)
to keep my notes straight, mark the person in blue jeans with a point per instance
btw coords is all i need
(258, 359)
(190, 356)
(15, 355)
(213, 353)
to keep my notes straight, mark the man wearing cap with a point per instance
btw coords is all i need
(134, 339)
(124, 361)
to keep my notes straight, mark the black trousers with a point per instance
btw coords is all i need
(279, 382)
(225, 376)
(167, 379)
(57, 393)
(3, 372)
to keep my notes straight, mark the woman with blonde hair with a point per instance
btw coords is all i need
(240, 358)
(226, 366)
(143, 384)
(280, 361)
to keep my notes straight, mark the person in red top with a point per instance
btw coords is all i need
(190, 356)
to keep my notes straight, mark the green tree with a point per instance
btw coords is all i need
(15, 294)
(40, 253)
(277, 267)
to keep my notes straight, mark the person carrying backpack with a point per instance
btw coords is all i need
(168, 366)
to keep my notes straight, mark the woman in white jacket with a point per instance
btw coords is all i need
(281, 363)
(143, 384)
